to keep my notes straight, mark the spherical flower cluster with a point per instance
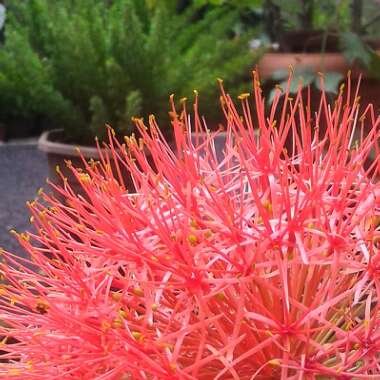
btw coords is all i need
(264, 264)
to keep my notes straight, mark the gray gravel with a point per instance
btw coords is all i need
(23, 170)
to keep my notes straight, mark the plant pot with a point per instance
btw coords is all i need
(271, 62)
(58, 152)
(332, 62)
(336, 62)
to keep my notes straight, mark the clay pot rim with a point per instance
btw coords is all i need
(48, 145)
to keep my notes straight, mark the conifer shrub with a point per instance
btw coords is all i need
(82, 64)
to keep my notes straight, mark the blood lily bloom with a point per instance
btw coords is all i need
(265, 265)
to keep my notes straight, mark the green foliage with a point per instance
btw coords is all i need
(236, 3)
(323, 14)
(25, 85)
(355, 49)
(86, 63)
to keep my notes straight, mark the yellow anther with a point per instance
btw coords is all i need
(42, 306)
(274, 362)
(84, 177)
(24, 236)
(123, 313)
(138, 292)
(105, 325)
(116, 296)
(154, 307)
(291, 254)
(244, 95)
(3, 341)
(193, 223)
(13, 300)
(14, 372)
(220, 296)
(207, 234)
(173, 366)
(137, 335)
(278, 87)
(268, 206)
(117, 323)
(375, 221)
(192, 239)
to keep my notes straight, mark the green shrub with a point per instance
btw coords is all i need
(86, 63)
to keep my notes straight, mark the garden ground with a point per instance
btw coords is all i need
(23, 170)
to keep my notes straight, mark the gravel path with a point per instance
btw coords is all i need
(23, 170)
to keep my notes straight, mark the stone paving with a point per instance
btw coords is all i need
(23, 170)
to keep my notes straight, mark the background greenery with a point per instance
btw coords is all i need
(79, 64)
(351, 27)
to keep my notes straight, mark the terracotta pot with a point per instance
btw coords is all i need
(272, 62)
(58, 152)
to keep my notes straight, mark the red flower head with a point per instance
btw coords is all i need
(261, 265)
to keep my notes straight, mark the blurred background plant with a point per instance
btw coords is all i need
(351, 27)
(81, 64)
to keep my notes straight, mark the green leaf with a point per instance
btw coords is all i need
(302, 79)
(331, 81)
(133, 104)
(99, 116)
(374, 66)
(271, 96)
(355, 49)
(280, 74)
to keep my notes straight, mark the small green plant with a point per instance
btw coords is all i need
(93, 62)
